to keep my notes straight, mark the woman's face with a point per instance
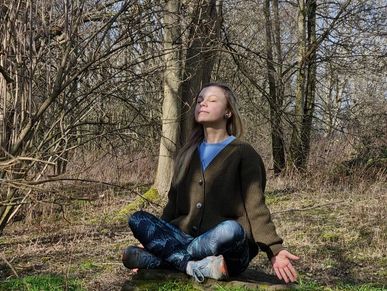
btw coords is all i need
(211, 107)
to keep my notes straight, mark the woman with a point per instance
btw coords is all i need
(216, 218)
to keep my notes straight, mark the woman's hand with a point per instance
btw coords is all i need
(283, 267)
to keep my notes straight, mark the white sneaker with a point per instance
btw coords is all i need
(210, 267)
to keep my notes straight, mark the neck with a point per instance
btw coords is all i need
(215, 135)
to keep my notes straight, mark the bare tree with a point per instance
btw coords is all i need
(202, 42)
(172, 90)
(275, 96)
(59, 74)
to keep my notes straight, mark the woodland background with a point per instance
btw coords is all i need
(94, 99)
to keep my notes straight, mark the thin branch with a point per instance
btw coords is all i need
(6, 75)
(9, 265)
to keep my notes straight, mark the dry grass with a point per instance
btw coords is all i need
(340, 234)
(338, 230)
(114, 167)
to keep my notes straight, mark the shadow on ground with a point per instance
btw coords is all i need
(251, 279)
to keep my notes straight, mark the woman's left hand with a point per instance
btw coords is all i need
(283, 267)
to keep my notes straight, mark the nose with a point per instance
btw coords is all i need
(202, 103)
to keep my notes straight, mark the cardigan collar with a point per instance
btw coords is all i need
(216, 160)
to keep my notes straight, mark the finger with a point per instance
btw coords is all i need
(294, 272)
(278, 273)
(289, 274)
(284, 276)
(292, 257)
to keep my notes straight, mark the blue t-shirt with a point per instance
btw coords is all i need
(208, 151)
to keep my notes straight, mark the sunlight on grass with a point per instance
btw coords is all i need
(314, 286)
(42, 283)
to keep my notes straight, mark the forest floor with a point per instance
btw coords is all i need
(339, 233)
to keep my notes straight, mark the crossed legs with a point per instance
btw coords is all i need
(166, 245)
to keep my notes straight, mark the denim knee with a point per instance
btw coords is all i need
(136, 216)
(233, 229)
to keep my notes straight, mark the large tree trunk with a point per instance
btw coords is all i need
(275, 90)
(200, 57)
(171, 103)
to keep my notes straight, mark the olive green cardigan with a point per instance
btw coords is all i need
(231, 187)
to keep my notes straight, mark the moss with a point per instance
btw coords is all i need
(330, 236)
(274, 199)
(88, 266)
(139, 202)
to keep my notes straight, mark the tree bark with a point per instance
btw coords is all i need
(306, 85)
(296, 140)
(200, 57)
(171, 103)
(310, 83)
(275, 89)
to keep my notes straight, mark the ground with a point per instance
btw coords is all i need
(339, 233)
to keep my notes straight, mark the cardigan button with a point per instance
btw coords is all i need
(200, 182)
(199, 205)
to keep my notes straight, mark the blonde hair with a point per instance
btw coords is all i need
(234, 127)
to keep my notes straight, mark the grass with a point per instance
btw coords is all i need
(177, 285)
(43, 282)
(339, 233)
(222, 288)
(315, 286)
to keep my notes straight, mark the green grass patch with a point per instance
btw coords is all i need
(330, 236)
(89, 266)
(272, 199)
(314, 286)
(44, 282)
(176, 285)
(228, 288)
(167, 285)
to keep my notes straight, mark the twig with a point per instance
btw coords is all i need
(9, 265)
(56, 179)
(11, 203)
(308, 208)
(14, 160)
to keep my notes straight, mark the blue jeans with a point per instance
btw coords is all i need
(169, 244)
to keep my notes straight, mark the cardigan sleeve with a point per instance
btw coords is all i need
(253, 182)
(169, 211)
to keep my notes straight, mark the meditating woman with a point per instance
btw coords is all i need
(215, 220)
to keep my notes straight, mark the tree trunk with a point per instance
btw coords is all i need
(171, 103)
(275, 92)
(296, 140)
(306, 85)
(200, 57)
(310, 84)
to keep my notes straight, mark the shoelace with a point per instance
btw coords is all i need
(198, 275)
